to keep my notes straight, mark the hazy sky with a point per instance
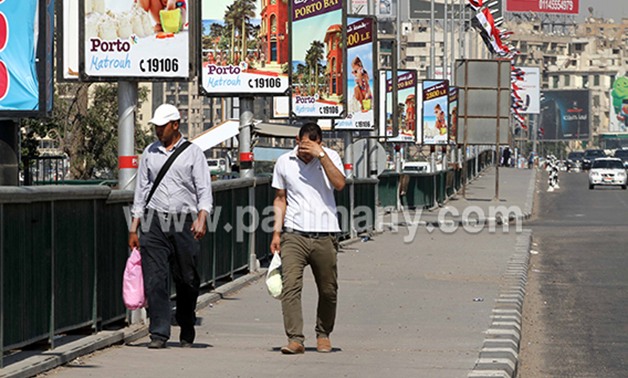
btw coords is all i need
(615, 9)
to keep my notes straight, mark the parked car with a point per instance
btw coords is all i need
(623, 155)
(574, 160)
(416, 167)
(607, 171)
(589, 156)
(217, 166)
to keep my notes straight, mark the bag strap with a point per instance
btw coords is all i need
(165, 167)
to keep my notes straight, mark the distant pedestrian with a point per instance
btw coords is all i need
(305, 233)
(506, 157)
(173, 222)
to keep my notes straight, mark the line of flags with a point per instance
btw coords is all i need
(496, 40)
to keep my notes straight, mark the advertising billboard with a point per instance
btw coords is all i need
(26, 52)
(317, 41)
(248, 55)
(543, 6)
(565, 114)
(67, 40)
(125, 40)
(529, 90)
(360, 82)
(435, 113)
(619, 105)
(453, 115)
(406, 97)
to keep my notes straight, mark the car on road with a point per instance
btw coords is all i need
(589, 156)
(607, 171)
(623, 155)
(574, 160)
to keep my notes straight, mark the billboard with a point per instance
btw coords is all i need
(543, 6)
(453, 115)
(360, 84)
(247, 56)
(619, 105)
(317, 40)
(565, 114)
(407, 105)
(26, 51)
(530, 90)
(68, 40)
(484, 101)
(435, 113)
(124, 40)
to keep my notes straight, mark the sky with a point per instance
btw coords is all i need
(615, 9)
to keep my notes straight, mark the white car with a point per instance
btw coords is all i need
(607, 171)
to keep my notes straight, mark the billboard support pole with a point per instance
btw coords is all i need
(432, 41)
(127, 161)
(244, 138)
(497, 132)
(9, 147)
(465, 164)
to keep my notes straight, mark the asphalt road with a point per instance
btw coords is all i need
(576, 308)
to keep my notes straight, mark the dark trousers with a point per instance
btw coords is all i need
(168, 248)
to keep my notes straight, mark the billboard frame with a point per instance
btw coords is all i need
(589, 113)
(198, 37)
(343, 103)
(399, 137)
(374, 75)
(435, 82)
(192, 31)
(61, 47)
(43, 65)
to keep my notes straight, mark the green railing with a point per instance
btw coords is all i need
(425, 190)
(63, 250)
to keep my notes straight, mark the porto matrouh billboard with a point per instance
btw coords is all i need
(244, 47)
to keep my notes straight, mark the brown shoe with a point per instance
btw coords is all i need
(293, 347)
(323, 345)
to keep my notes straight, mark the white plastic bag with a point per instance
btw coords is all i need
(273, 277)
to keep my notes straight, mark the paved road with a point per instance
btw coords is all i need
(419, 307)
(576, 307)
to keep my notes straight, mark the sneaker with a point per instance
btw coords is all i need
(186, 344)
(323, 345)
(293, 347)
(157, 344)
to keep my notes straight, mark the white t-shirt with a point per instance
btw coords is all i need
(311, 206)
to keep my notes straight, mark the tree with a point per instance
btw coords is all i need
(313, 56)
(84, 125)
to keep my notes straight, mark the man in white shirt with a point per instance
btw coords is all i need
(173, 226)
(305, 233)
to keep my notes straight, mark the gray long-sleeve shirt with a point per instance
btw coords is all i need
(186, 187)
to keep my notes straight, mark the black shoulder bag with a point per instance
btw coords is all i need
(165, 167)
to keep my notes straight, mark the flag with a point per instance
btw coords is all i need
(475, 4)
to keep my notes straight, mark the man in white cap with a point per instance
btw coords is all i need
(171, 216)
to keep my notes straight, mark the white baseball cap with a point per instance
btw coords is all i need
(164, 114)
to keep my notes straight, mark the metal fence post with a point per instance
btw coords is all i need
(95, 286)
(51, 337)
(1, 286)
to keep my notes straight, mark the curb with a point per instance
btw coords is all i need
(500, 352)
(51, 359)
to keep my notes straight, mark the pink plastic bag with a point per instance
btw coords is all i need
(133, 282)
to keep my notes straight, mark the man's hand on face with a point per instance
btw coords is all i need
(310, 148)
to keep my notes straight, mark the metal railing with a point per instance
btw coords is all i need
(63, 250)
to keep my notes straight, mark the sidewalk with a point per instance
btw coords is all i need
(439, 304)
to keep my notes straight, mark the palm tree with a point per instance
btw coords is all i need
(246, 11)
(313, 56)
(230, 23)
